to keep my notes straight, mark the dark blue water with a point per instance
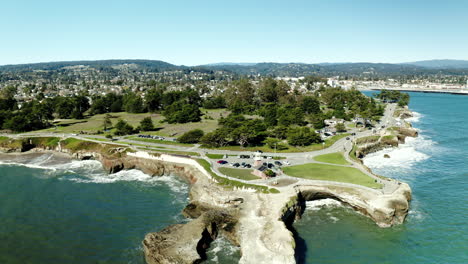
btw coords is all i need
(436, 167)
(78, 214)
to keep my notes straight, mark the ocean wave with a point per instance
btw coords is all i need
(404, 156)
(322, 203)
(90, 173)
(221, 246)
(415, 118)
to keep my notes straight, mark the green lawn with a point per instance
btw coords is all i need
(215, 156)
(334, 158)
(239, 173)
(325, 172)
(149, 140)
(94, 123)
(328, 142)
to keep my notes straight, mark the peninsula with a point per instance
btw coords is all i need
(257, 214)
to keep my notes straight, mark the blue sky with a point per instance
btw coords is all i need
(200, 32)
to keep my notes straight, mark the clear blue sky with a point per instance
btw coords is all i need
(200, 32)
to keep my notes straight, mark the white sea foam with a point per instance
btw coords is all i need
(91, 172)
(404, 156)
(322, 203)
(221, 245)
(416, 117)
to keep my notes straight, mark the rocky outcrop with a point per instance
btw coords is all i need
(385, 209)
(408, 131)
(187, 243)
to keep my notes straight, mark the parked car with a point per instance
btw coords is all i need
(222, 162)
(353, 134)
(237, 165)
(270, 165)
(248, 166)
(278, 163)
(347, 138)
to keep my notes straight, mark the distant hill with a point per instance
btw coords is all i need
(154, 65)
(441, 64)
(229, 63)
(373, 70)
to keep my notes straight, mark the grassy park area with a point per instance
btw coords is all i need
(325, 172)
(243, 174)
(291, 149)
(333, 158)
(95, 123)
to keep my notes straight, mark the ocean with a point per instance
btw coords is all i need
(435, 165)
(58, 211)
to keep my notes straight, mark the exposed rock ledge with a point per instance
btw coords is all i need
(256, 222)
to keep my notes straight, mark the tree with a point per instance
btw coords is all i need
(147, 124)
(192, 136)
(240, 96)
(217, 138)
(310, 105)
(107, 122)
(271, 90)
(153, 99)
(123, 128)
(340, 127)
(214, 103)
(133, 103)
(181, 112)
(303, 136)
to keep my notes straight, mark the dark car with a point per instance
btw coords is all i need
(248, 166)
(243, 163)
(278, 163)
(222, 162)
(353, 134)
(237, 165)
(347, 138)
(270, 165)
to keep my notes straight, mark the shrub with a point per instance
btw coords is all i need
(192, 136)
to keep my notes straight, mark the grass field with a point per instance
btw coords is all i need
(328, 142)
(149, 140)
(239, 173)
(94, 123)
(334, 158)
(325, 172)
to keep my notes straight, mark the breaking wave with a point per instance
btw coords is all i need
(91, 171)
(416, 117)
(323, 203)
(404, 156)
(222, 251)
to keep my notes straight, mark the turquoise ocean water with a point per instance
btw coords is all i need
(436, 167)
(75, 213)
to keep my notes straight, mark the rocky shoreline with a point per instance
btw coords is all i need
(256, 222)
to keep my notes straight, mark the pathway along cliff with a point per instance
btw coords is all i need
(258, 222)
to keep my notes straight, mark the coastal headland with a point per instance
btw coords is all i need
(254, 215)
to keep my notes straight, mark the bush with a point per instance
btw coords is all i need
(123, 128)
(192, 136)
(147, 124)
